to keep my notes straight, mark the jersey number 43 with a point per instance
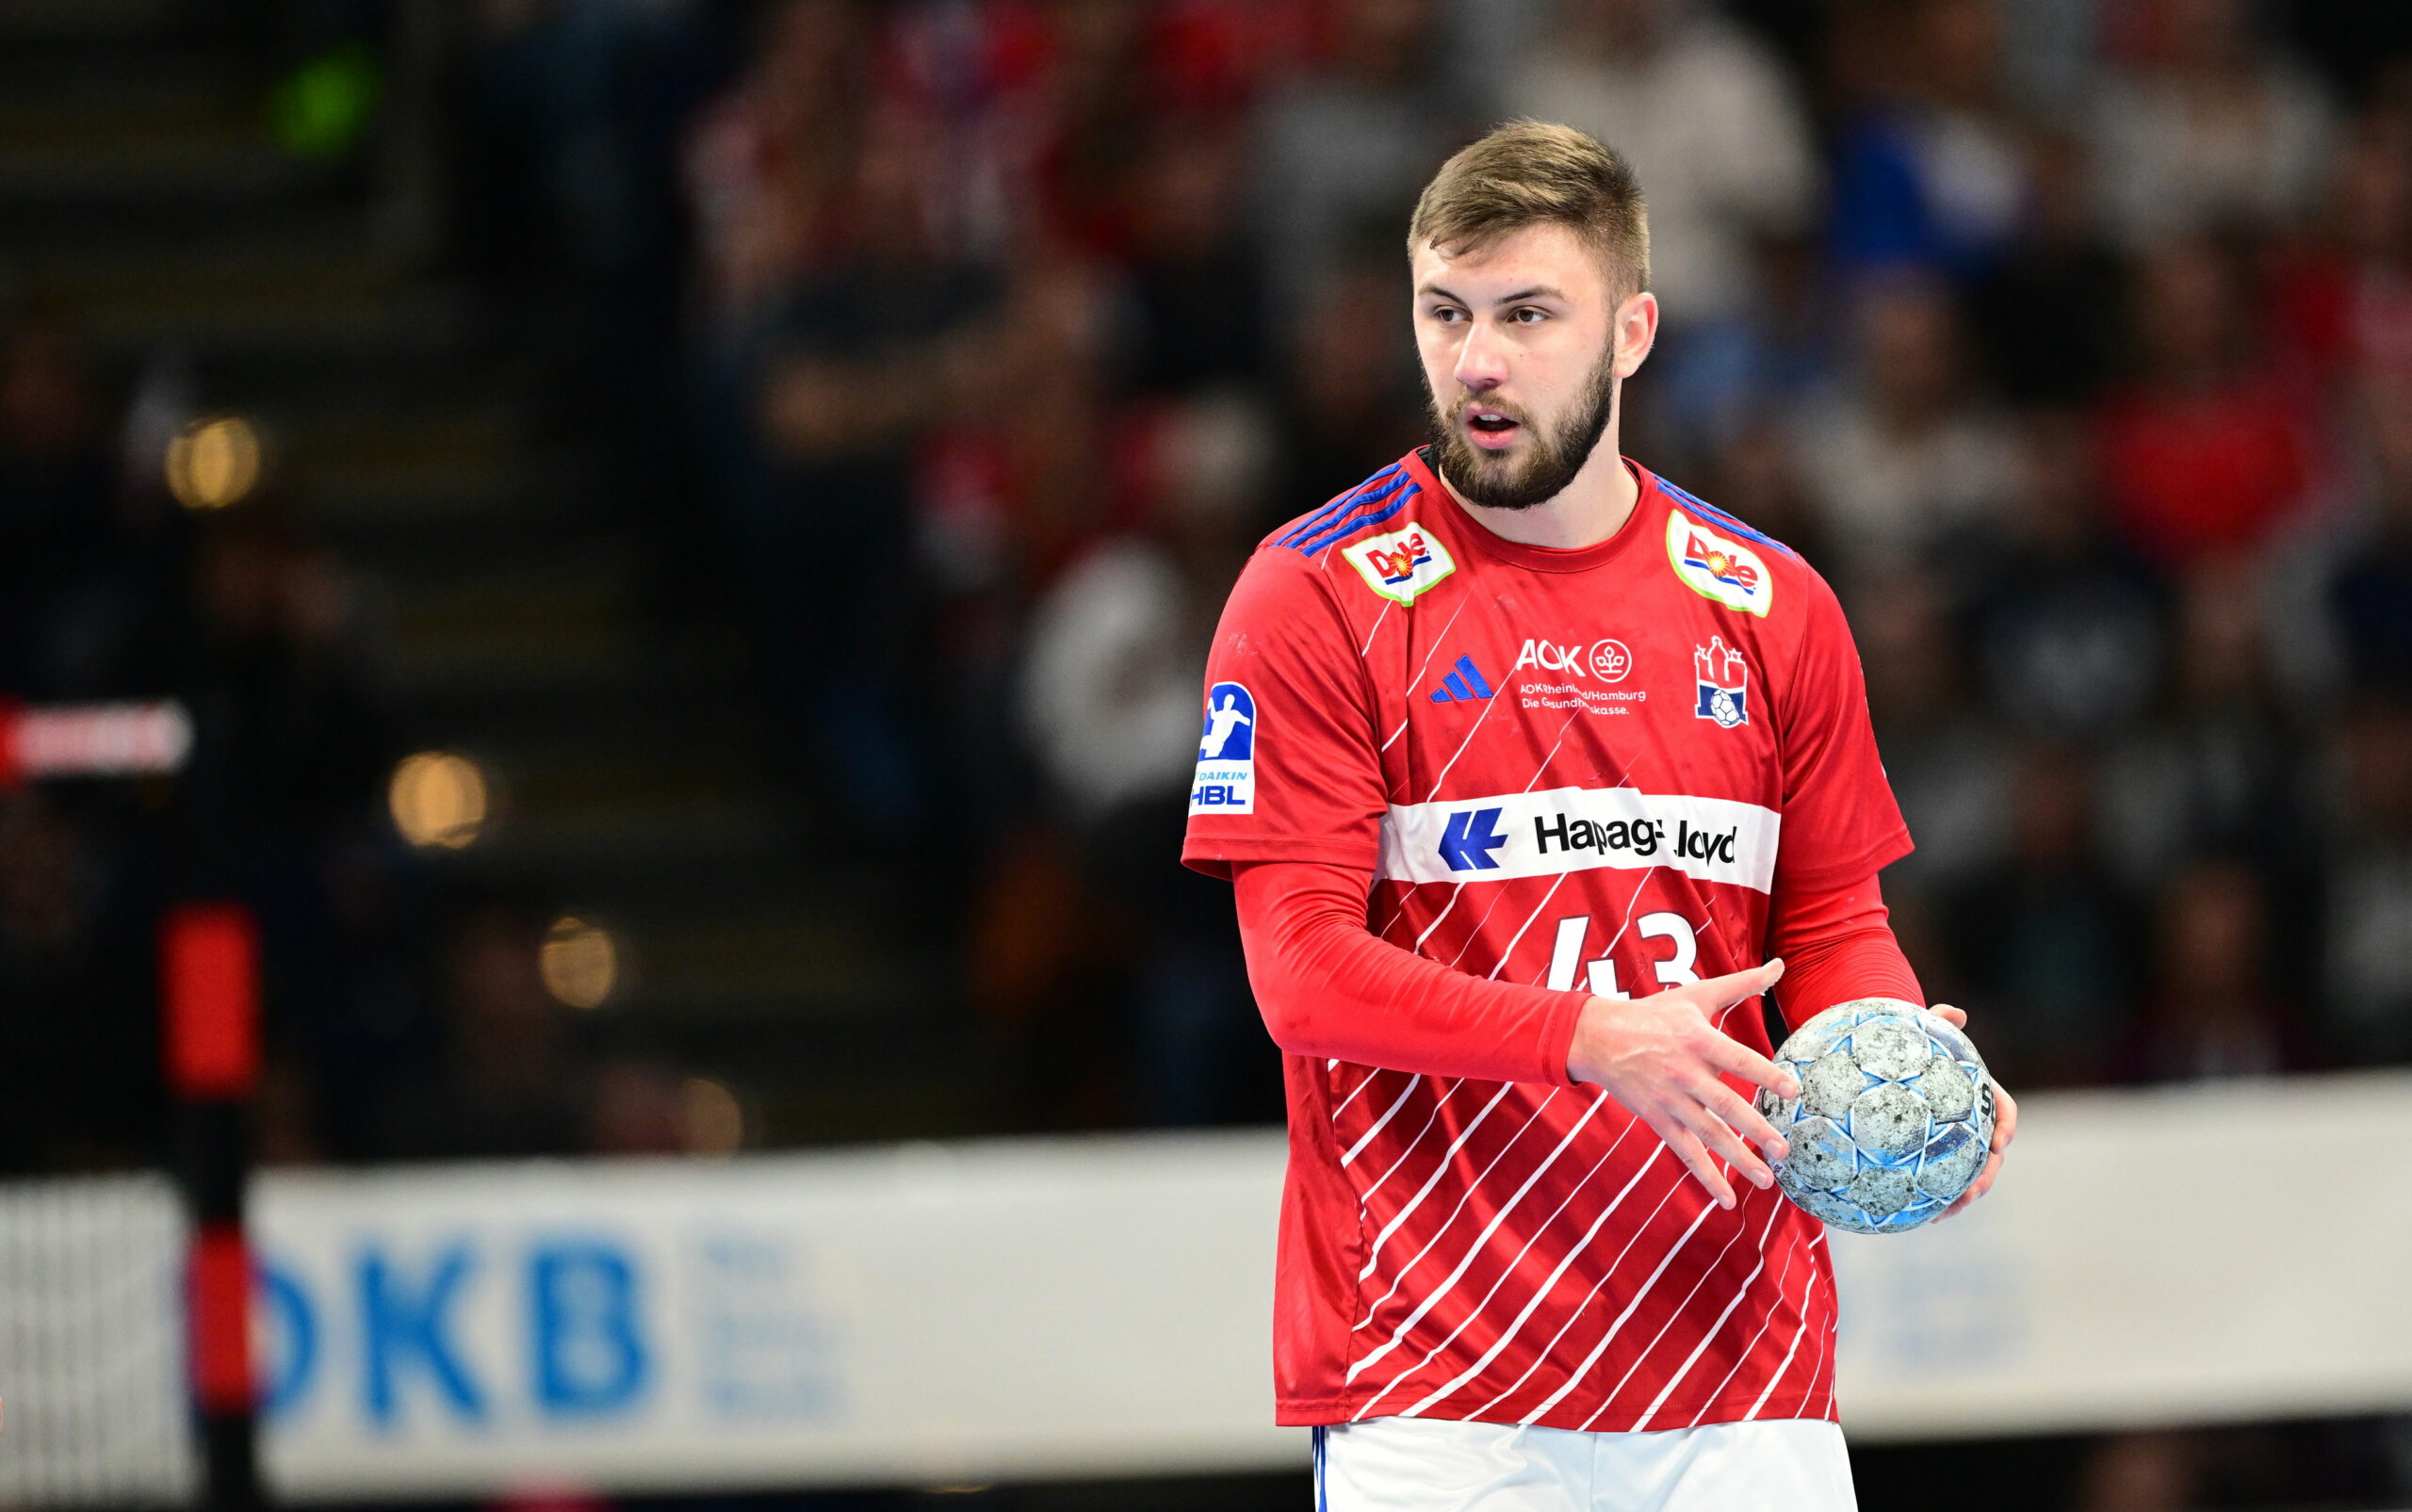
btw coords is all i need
(1566, 954)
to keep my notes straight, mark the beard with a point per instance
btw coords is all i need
(1558, 452)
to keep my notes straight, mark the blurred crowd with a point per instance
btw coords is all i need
(2072, 339)
(959, 351)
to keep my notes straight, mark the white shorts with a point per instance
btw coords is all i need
(1427, 1465)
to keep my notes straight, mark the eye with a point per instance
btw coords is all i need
(1528, 314)
(1446, 314)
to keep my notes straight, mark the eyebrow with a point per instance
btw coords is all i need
(1538, 291)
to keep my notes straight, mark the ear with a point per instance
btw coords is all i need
(1635, 331)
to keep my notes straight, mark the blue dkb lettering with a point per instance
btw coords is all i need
(584, 1334)
(396, 1325)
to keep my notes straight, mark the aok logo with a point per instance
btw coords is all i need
(1608, 660)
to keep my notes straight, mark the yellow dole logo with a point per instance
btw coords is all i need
(1714, 567)
(1402, 565)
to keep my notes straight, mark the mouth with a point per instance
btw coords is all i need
(1489, 428)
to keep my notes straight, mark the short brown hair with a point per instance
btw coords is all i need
(1530, 173)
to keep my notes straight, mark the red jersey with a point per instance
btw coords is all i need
(1583, 769)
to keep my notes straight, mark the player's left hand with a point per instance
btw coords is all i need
(2005, 1126)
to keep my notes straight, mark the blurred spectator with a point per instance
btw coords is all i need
(1903, 452)
(1196, 289)
(2342, 294)
(768, 167)
(1351, 404)
(2067, 625)
(860, 362)
(511, 1082)
(569, 186)
(1110, 702)
(2213, 1010)
(1755, 476)
(2208, 126)
(60, 613)
(356, 1010)
(1948, 766)
(2366, 843)
(1709, 124)
(289, 735)
(2044, 939)
(1342, 153)
(2058, 261)
(1118, 646)
(1740, 375)
(2215, 770)
(2142, 1472)
(2369, 593)
(2208, 451)
(1931, 175)
(78, 1043)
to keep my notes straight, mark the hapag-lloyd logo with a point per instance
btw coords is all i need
(1609, 660)
(1509, 835)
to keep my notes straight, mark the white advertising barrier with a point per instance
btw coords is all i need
(2191, 1256)
(926, 1314)
(1064, 1308)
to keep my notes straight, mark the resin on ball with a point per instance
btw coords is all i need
(1895, 1115)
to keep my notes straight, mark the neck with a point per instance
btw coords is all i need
(1584, 513)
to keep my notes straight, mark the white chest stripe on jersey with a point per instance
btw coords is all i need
(1576, 829)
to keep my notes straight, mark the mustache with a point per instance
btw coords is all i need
(1464, 407)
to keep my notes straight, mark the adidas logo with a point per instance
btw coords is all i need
(1461, 685)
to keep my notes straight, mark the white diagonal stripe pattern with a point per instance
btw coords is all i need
(1575, 1376)
(1374, 1253)
(1751, 1349)
(1739, 1292)
(1413, 1140)
(1786, 1363)
(1474, 1249)
(1384, 1122)
(1542, 1292)
(1577, 1315)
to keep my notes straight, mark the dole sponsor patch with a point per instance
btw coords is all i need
(1714, 567)
(1402, 565)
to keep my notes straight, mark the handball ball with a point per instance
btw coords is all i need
(1895, 1115)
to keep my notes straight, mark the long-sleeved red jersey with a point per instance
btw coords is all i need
(1566, 772)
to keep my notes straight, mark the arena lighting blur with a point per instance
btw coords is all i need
(438, 800)
(214, 463)
(579, 962)
(709, 1117)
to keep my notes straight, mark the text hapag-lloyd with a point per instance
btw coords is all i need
(1642, 837)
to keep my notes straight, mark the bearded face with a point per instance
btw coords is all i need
(1501, 457)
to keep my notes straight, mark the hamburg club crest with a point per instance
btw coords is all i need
(1724, 683)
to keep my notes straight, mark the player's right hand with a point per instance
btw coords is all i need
(1661, 1057)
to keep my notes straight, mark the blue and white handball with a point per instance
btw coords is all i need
(1894, 1118)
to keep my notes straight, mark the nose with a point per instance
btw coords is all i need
(1482, 358)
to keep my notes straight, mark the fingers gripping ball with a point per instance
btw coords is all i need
(1894, 1115)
